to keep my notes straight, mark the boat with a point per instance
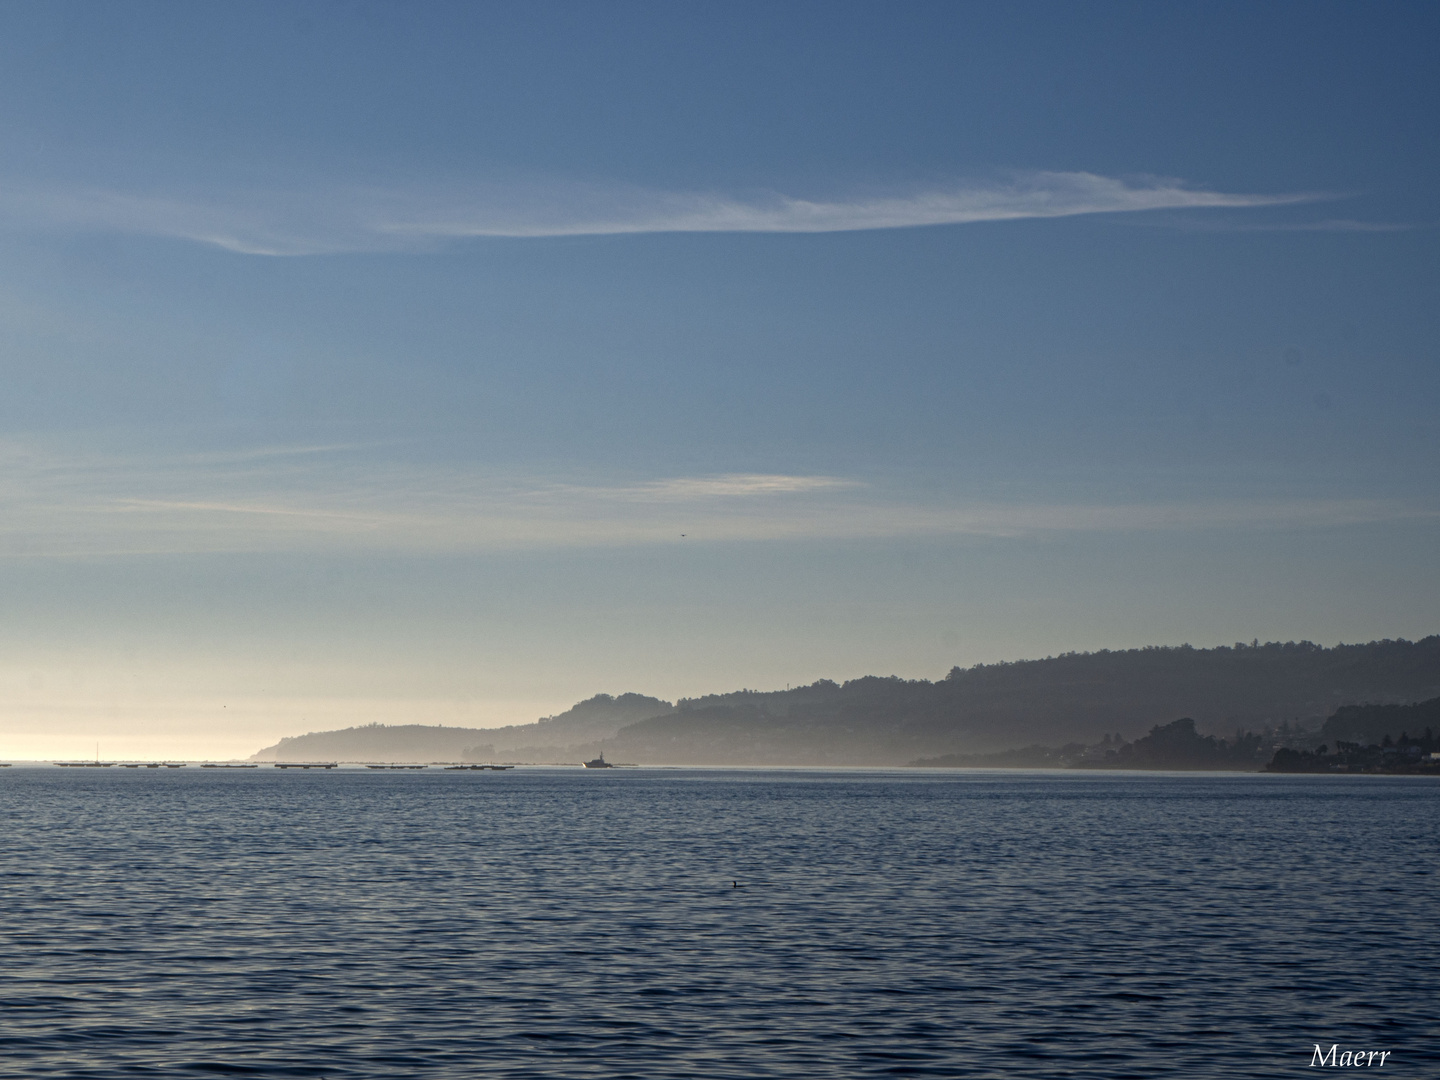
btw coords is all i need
(599, 763)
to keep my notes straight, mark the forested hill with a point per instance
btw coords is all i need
(576, 731)
(1074, 698)
(375, 742)
(1077, 697)
(587, 721)
(1371, 723)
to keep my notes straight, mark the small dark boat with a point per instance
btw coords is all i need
(599, 763)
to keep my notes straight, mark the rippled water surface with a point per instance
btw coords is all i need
(571, 924)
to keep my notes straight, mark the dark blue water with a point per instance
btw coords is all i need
(570, 924)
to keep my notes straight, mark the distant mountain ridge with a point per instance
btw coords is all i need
(375, 742)
(1075, 697)
(559, 737)
(586, 722)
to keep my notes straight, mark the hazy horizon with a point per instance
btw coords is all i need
(274, 719)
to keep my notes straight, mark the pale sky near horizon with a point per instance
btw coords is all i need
(449, 363)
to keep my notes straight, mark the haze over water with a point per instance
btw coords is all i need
(564, 924)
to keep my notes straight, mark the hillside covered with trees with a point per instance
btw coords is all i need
(553, 738)
(1075, 698)
(1107, 699)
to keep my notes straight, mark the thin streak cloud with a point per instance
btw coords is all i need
(734, 485)
(1328, 225)
(84, 507)
(359, 219)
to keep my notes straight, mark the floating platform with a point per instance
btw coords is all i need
(304, 765)
(477, 768)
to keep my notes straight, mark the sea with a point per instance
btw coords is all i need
(688, 923)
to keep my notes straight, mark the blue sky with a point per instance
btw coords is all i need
(368, 361)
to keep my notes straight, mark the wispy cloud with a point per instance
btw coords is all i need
(304, 500)
(732, 485)
(1031, 195)
(1333, 225)
(335, 219)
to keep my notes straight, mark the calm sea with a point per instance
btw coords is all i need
(553, 923)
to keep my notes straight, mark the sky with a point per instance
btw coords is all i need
(450, 363)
